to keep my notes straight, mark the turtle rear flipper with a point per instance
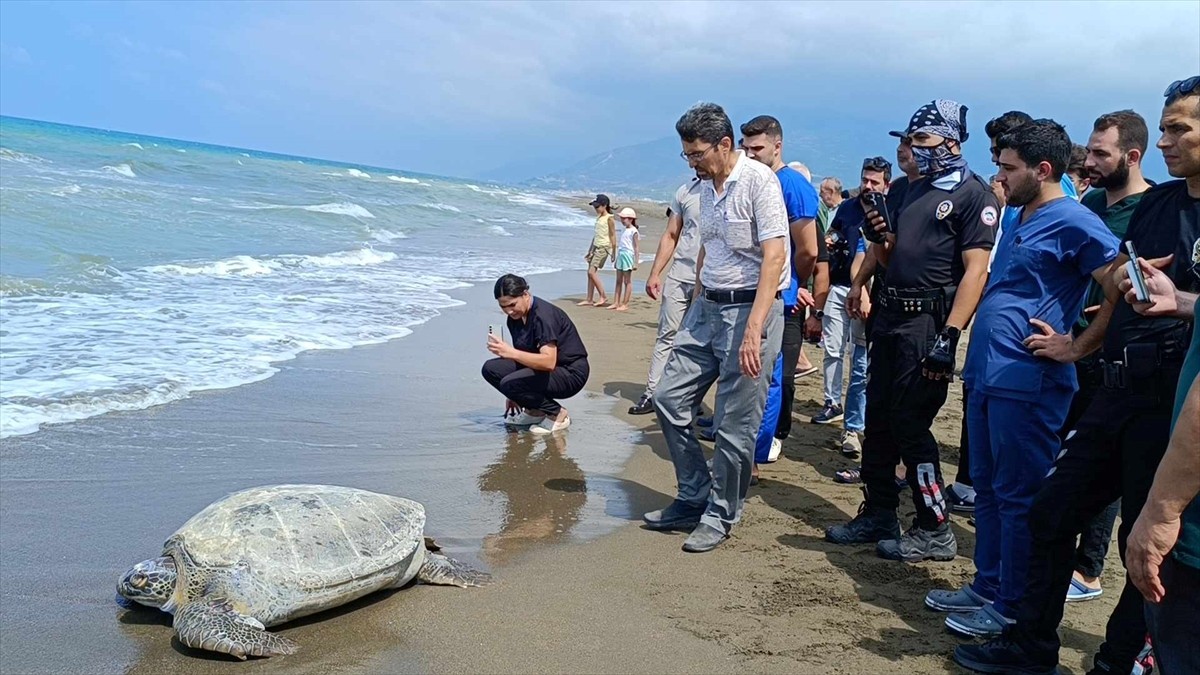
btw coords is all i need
(442, 571)
(214, 624)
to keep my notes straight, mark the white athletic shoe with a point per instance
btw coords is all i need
(524, 419)
(548, 426)
(776, 449)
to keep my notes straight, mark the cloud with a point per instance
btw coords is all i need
(14, 55)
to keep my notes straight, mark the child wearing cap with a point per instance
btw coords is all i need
(627, 258)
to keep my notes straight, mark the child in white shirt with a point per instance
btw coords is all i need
(627, 259)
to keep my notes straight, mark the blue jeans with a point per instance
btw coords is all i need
(1013, 446)
(706, 352)
(856, 394)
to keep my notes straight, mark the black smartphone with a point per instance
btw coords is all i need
(876, 201)
(1135, 274)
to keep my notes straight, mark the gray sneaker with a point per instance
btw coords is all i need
(851, 443)
(984, 622)
(917, 545)
(964, 599)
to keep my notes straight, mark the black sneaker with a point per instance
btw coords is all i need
(1001, 655)
(644, 406)
(918, 544)
(832, 412)
(872, 524)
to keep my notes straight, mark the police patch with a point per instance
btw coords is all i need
(944, 209)
(988, 216)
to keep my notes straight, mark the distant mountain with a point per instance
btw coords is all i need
(654, 169)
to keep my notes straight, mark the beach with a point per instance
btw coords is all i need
(579, 587)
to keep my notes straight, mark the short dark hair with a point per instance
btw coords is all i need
(705, 122)
(1078, 157)
(1131, 129)
(1006, 123)
(763, 124)
(878, 165)
(1040, 141)
(510, 286)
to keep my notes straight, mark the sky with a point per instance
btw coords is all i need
(468, 89)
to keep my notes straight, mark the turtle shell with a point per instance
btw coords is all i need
(305, 536)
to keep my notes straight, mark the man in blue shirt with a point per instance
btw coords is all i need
(1039, 275)
(762, 138)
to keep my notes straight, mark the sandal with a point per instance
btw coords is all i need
(848, 476)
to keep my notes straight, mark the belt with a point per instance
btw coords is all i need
(741, 297)
(1141, 366)
(917, 300)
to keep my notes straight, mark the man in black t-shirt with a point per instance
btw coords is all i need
(936, 268)
(546, 360)
(1117, 444)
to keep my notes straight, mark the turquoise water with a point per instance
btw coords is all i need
(135, 270)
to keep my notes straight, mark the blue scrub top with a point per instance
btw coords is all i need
(800, 198)
(1041, 271)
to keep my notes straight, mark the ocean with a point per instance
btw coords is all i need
(136, 270)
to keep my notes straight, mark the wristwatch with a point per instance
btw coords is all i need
(820, 314)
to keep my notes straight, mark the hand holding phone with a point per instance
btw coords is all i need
(1141, 291)
(876, 202)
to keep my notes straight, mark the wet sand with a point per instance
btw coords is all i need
(579, 586)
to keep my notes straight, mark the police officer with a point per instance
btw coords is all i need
(936, 261)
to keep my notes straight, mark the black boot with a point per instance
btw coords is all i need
(872, 524)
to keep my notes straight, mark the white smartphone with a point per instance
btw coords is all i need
(1135, 274)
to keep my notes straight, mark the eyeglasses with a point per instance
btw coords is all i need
(693, 157)
(1181, 88)
(876, 164)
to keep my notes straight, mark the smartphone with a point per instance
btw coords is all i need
(1135, 274)
(490, 330)
(876, 201)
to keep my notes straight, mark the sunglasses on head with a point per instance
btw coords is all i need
(876, 164)
(1181, 88)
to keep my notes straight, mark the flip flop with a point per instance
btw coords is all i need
(803, 373)
(1079, 591)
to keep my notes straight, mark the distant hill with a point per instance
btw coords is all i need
(654, 169)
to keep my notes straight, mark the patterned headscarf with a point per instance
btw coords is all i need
(941, 116)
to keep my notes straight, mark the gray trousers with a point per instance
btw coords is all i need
(706, 351)
(676, 297)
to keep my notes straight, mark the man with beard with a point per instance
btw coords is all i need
(1037, 282)
(730, 335)
(678, 248)
(1114, 165)
(1117, 444)
(936, 262)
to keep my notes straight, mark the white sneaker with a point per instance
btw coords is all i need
(549, 426)
(524, 419)
(851, 443)
(776, 449)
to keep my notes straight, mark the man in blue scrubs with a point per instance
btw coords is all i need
(1040, 273)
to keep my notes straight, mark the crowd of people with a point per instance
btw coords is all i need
(1074, 281)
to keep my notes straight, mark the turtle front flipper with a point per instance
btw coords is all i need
(214, 624)
(442, 571)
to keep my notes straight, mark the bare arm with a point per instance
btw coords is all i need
(970, 289)
(612, 232)
(1176, 484)
(820, 285)
(666, 245)
(804, 234)
(774, 253)
(860, 281)
(1061, 347)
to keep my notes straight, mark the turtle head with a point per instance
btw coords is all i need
(150, 582)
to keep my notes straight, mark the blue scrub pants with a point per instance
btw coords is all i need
(766, 430)
(1013, 445)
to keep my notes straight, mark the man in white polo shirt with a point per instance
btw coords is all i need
(730, 336)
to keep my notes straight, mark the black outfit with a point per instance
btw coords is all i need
(538, 389)
(793, 339)
(933, 228)
(1118, 442)
(846, 230)
(1173, 621)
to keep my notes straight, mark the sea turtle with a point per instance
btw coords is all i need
(268, 555)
